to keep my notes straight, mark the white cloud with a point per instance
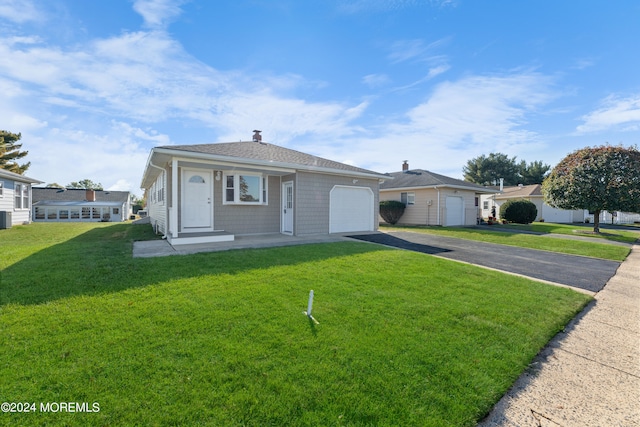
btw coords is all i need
(620, 113)
(157, 14)
(19, 11)
(416, 49)
(459, 120)
(114, 158)
(375, 80)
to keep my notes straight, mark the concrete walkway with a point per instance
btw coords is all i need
(588, 375)
(155, 248)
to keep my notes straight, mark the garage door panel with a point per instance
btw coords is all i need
(351, 209)
(455, 211)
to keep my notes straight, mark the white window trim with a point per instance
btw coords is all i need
(411, 197)
(159, 189)
(18, 194)
(263, 192)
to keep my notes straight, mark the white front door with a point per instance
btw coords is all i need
(197, 210)
(287, 207)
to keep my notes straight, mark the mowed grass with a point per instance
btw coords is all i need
(507, 235)
(221, 338)
(618, 234)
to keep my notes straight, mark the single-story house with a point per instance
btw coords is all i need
(617, 217)
(80, 205)
(533, 193)
(433, 199)
(15, 198)
(212, 192)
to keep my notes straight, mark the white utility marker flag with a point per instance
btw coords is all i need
(309, 308)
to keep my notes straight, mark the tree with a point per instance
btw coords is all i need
(10, 152)
(533, 173)
(54, 185)
(487, 170)
(86, 184)
(596, 178)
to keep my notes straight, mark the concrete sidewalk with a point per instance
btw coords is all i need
(156, 248)
(589, 374)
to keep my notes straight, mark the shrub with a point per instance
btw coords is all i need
(519, 211)
(391, 210)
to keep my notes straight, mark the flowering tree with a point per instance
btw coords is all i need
(597, 179)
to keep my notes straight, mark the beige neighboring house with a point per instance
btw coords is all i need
(433, 199)
(533, 193)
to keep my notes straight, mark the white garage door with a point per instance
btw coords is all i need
(351, 209)
(550, 214)
(455, 213)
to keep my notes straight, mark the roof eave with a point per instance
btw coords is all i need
(283, 166)
(438, 186)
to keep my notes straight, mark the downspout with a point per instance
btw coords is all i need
(438, 212)
(164, 236)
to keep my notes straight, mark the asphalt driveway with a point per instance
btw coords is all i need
(581, 272)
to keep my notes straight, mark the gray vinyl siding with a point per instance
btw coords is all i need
(311, 198)
(157, 210)
(7, 203)
(6, 200)
(248, 219)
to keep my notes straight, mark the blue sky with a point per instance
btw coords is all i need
(94, 85)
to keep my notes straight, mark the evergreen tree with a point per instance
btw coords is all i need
(86, 184)
(10, 153)
(533, 173)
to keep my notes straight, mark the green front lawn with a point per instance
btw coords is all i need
(501, 235)
(221, 339)
(581, 230)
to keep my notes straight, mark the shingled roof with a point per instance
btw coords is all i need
(534, 190)
(416, 178)
(267, 153)
(75, 195)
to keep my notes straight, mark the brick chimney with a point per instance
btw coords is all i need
(405, 166)
(256, 136)
(91, 196)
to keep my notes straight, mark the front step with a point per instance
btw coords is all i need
(199, 238)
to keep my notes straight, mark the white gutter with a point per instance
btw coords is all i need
(438, 212)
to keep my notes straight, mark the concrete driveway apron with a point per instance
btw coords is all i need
(590, 274)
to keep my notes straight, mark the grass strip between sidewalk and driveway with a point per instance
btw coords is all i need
(530, 241)
(625, 234)
(221, 339)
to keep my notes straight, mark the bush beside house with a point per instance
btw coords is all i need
(391, 211)
(519, 211)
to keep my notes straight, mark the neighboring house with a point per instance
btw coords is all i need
(80, 205)
(15, 198)
(617, 217)
(533, 193)
(212, 192)
(433, 199)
